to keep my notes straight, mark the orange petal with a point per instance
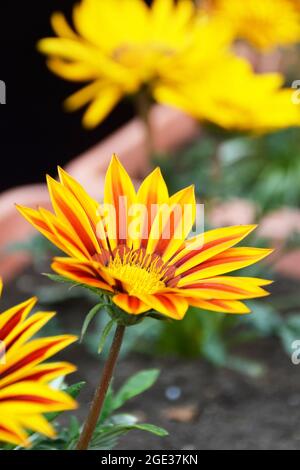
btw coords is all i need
(170, 305)
(83, 272)
(130, 304)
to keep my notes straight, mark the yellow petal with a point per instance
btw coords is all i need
(102, 105)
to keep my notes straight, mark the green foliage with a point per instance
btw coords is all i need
(264, 169)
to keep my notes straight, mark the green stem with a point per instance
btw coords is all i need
(100, 393)
(143, 107)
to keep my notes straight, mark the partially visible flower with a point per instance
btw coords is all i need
(123, 46)
(154, 267)
(263, 23)
(236, 99)
(24, 376)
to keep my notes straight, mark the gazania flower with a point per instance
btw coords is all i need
(245, 101)
(24, 393)
(123, 46)
(264, 24)
(154, 267)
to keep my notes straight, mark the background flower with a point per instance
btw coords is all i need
(24, 393)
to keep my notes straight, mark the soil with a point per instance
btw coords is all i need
(217, 408)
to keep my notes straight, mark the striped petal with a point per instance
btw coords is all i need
(67, 207)
(208, 244)
(30, 398)
(45, 373)
(227, 261)
(83, 272)
(11, 431)
(236, 288)
(119, 195)
(130, 304)
(14, 316)
(88, 204)
(152, 193)
(172, 224)
(29, 355)
(222, 306)
(168, 304)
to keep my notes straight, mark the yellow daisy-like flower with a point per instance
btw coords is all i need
(264, 24)
(122, 46)
(24, 393)
(238, 100)
(153, 267)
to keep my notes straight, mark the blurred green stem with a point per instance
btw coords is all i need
(143, 107)
(100, 393)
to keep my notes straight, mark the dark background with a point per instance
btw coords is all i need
(35, 133)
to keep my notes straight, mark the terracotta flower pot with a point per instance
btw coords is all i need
(170, 128)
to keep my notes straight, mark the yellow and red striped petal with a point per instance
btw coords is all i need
(88, 204)
(130, 304)
(45, 373)
(68, 209)
(171, 305)
(119, 195)
(208, 244)
(172, 224)
(229, 287)
(83, 272)
(30, 398)
(11, 431)
(229, 260)
(222, 306)
(29, 355)
(26, 329)
(152, 193)
(14, 316)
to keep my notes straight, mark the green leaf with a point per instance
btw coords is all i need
(104, 335)
(106, 437)
(137, 384)
(92, 313)
(151, 428)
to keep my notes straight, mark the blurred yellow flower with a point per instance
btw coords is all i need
(233, 97)
(24, 393)
(155, 268)
(263, 23)
(121, 46)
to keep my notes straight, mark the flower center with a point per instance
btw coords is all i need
(140, 273)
